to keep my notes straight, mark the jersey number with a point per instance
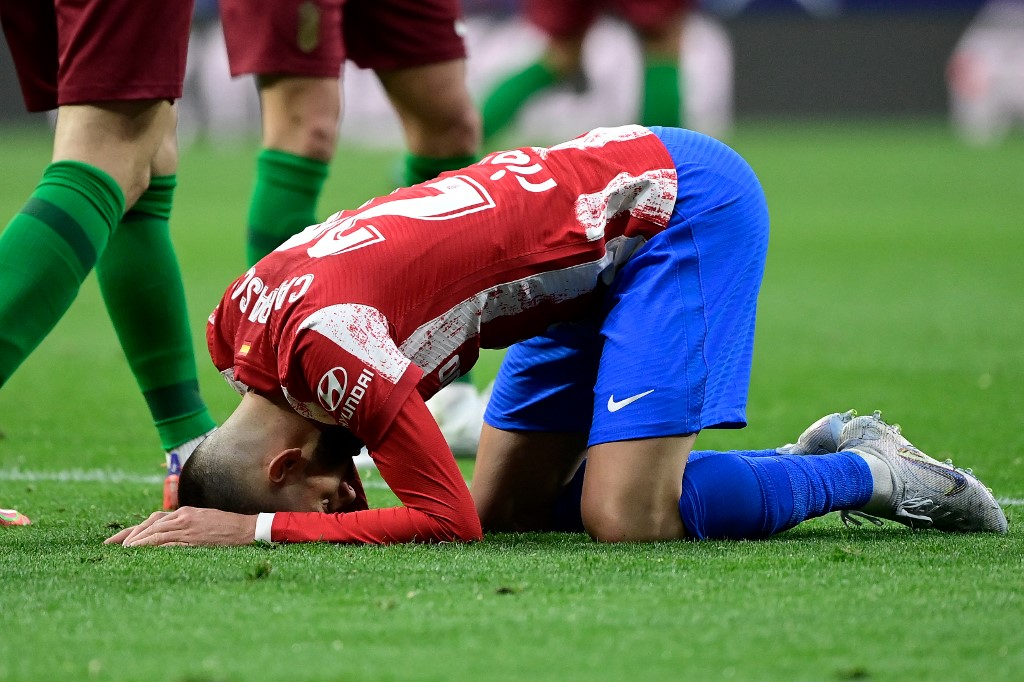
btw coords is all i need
(458, 196)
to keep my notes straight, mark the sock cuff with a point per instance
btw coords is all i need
(299, 173)
(422, 168)
(94, 184)
(542, 72)
(156, 201)
(660, 63)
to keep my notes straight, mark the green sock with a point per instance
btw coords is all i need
(422, 168)
(142, 288)
(283, 201)
(47, 250)
(662, 98)
(504, 102)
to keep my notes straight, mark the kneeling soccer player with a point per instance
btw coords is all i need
(628, 263)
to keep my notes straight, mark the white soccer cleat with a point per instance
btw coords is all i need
(926, 493)
(821, 437)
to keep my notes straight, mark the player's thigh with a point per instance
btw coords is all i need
(631, 489)
(546, 383)
(435, 108)
(536, 425)
(165, 161)
(120, 138)
(519, 474)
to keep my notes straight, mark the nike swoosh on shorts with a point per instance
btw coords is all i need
(616, 405)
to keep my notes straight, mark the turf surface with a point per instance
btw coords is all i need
(894, 282)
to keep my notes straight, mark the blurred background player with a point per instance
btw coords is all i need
(659, 27)
(112, 70)
(296, 49)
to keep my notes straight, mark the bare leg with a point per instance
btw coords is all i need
(518, 476)
(632, 488)
(564, 55)
(435, 108)
(630, 493)
(301, 115)
(119, 138)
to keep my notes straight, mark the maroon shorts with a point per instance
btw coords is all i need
(314, 37)
(565, 18)
(78, 51)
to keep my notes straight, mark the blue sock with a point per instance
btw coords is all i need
(701, 454)
(566, 516)
(735, 496)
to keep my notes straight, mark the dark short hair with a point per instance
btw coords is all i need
(207, 481)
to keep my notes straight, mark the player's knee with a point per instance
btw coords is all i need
(312, 137)
(306, 132)
(445, 132)
(493, 516)
(465, 130)
(506, 516)
(320, 138)
(607, 520)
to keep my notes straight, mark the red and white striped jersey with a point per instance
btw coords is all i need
(350, 316)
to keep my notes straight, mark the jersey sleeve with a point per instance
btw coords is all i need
(415, 461)
(341, 366)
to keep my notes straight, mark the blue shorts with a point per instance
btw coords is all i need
(671, 352)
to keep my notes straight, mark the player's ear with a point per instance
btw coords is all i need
(284, 464)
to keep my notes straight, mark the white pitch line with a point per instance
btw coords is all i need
(115, 476)
(111, 476)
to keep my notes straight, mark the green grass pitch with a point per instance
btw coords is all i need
(894, 281)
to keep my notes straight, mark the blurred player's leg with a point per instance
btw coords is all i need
(300, 127)
(659, 26)
(101, 156)
(47, 250)
(115, 130)
(142, 287)
(441, 125)
(504, 102)
(294, 48)
(566, 25)
(661, 103)
(442, 133)
(458, 410)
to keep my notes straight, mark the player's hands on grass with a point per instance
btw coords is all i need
(189, 526)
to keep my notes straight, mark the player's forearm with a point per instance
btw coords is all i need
(372, 526)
